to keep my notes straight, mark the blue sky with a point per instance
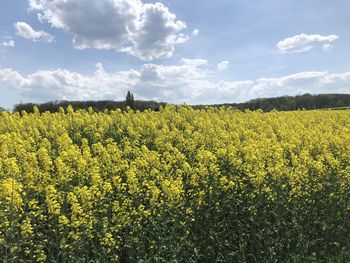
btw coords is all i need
(196, 51)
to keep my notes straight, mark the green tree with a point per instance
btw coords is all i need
(130, 100)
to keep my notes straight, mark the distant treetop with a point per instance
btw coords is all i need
(129, 100)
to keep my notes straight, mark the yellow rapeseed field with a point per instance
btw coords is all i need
(178, 185)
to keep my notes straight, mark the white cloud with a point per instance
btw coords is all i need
(195, 32)
(303, 82)
(303, 42)
(26, 31)
(10, 43)
(327, 47)
(11, 79)
(222, 66)
(193, 62)
(189, 81)
(146, 31)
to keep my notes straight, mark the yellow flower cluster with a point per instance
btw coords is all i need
(179, 185)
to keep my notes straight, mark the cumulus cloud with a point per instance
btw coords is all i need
(195, 32)
(188, 81)
(147, 31)
(222, 66)
(303, 82)
(26, 31)
(304, 42)
(10, 43)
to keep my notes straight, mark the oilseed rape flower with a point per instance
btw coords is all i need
(177, 185)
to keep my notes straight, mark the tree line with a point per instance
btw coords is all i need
(289, 103)
(97, 106)
(284, 103)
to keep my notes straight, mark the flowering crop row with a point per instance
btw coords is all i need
(178, 185)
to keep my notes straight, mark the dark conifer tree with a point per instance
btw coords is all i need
(130, 100)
